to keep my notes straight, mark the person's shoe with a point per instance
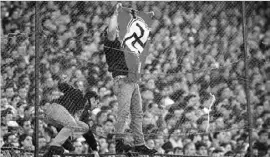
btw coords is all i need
(68, 145)
(120, 147)
(142, 149)
(54, 150)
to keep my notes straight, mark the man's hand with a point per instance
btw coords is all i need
(118, 6)
(95, 154)
(212, 100)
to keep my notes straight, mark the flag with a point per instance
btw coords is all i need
(134, 28)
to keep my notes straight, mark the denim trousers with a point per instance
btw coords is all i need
(58, 115)
(129, 101)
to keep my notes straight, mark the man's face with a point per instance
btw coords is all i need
(215, 155)
(266, 105)
(264, 137)
(1, 142)
(178, 152)
(12, 139)
(78, 147)
(27, 141)
(21, 108)
(176, 134)
(55, 68)
(27, 125)
(9, 117)
(151, 144)
(42, 142)
(10, 71)
(259, 110)
(224, 111)
(151, 84)
(171, 122)
(112, 148)
(228, 147)
(191, 115)
(4, 130)
(50, 82)
(112, 117)
(102, 92)
(115, 107)
(16, 100)
(202, 151)
(99, 131)
(193, 100)
(80, 85)
(220, 122)
(154, 109)
(148, 95)
(204, 125)
(108, 127)
(191, 150)
(94, 103)
(226, 93)
(146, 120)
(178, 113)
(159, 141)
(221, 136)
(103, 143)
(9, 92)
(30, 112)
(4, 102)
(176, 86)
(23, 93)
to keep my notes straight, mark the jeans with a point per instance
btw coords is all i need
(129, 101)
(58, 115)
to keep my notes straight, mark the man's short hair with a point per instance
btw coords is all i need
(187, 98)
(265, 113)
(262, 132)
(217, 151)
(22, 138)
(201, 120)
(111, 104)
(5, 137)
(5, 112)
(229, 153)
(189, 109)
(186, 146)
(91, 94)
(108, 120)
(204, 96)
(200, 144)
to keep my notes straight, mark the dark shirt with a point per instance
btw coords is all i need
(115, 58)
(73, 99)
(262, 148)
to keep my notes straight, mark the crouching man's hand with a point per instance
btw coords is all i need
(95, 154)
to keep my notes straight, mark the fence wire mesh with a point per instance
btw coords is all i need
(197, 49)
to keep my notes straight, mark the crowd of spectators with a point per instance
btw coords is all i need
(197, 49)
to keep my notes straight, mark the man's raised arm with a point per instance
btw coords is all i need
(113, 24)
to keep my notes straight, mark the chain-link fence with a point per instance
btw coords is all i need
(197, 49)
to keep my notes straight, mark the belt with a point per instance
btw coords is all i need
(120, 76)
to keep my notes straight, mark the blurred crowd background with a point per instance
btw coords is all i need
(197, 49)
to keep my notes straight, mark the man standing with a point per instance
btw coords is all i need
(125, 66)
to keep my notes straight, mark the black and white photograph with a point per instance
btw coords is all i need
(135, 79)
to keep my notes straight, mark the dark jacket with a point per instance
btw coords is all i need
(115, 57)
(73, 99)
